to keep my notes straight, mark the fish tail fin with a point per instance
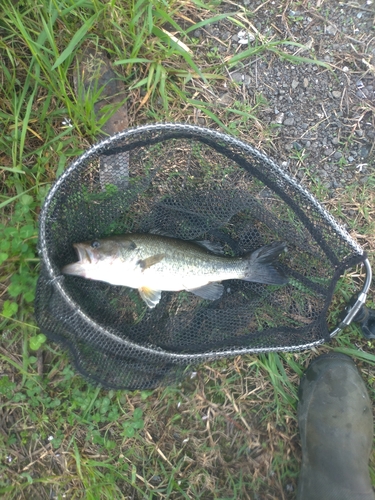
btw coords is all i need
(260, 265)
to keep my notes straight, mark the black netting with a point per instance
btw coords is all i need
(194, 184)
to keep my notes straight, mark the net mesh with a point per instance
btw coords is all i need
(194, 184)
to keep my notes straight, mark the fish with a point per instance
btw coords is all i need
(152, 263)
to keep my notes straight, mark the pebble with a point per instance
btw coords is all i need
(328, 152)
(360, 94)
(279, 118)
(331, 30)
(365, 151)
(226, 99)
(350, 158)
(295, 84)
(305, 82)
(289, 121)
(359, 133)
(238, 77)
(244, 37)
(155, 479)
(247, 80)
(297, 146)
(336, 94)
(337, 155)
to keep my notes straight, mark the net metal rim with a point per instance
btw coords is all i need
(194, 132)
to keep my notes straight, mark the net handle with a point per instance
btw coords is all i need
(361, 299)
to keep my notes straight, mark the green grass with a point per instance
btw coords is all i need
(228, 433)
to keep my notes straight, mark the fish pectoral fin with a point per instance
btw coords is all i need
(150, 261)
(211, 291)
(212, 246)
(161, 232)
(151, 297)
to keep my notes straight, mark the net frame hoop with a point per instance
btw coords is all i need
(195, 132)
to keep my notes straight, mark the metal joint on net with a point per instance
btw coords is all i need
(56, 279)
(353, 310)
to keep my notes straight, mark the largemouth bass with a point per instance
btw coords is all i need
(153, 263)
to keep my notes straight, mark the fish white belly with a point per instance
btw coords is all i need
(159, 280)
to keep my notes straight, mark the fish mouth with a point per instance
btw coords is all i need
(86, 258)
(83, 253)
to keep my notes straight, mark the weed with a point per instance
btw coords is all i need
(300, 156)
(18, 249)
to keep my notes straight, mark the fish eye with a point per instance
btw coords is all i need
(95, 244)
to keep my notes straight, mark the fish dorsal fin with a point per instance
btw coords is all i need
(150, 261)
(151, 297)
(211, 291)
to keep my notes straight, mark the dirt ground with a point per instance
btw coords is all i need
(322, 119)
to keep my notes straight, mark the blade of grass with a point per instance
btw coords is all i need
(77, 38)
(26, 118)
(171, 43)
(211, 20)
(17, 196)
(139, 84)
(13, 170)
(88, 5)
(273, 47)
(203, 107)
(77, 457)
(168, 19)
(132, 60)
(356, 353)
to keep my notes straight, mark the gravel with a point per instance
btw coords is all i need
(326, 112)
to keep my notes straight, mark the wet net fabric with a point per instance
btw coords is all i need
(193, 184)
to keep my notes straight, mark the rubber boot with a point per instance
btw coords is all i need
(336, 428)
